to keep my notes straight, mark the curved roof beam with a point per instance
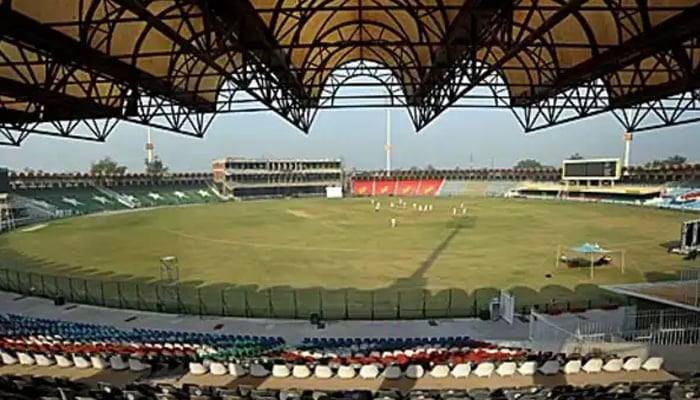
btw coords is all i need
(136, 7)
(239, 18)
(665, 35)
(66, 50)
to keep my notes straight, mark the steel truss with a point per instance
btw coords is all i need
(77, 74)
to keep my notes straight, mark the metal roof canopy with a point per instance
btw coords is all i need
(174, 64)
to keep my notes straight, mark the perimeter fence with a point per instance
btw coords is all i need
(251, 302)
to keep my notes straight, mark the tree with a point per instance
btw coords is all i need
(156, 167)
(672, 160)
(576, 156)
(528, 163)
(107, 166)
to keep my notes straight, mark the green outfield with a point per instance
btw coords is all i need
(316, 254)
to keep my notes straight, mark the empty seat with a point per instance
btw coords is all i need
(235, 369)
(632, 364)
(258, 371)
(613, 365)
(551, 367)
(528, 368)
(98, 362)
(440, 371)
(653, 364)
(369, 371)
(461, 370)
(572, 367)
(26, 359)
(63, 361)
(507, 369)
(301, 371)
(280, 371)
(81, 362)
(196, 368)
(43, 360)
(218, 368)
(8, 359)
(116, 362)
(392, 372)
(415, 371)
(346, 372)
(484, 369)
(592, 366)
(324, 372)
(135, 365)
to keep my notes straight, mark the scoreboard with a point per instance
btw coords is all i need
(4, 181)
(591, 170)
(690, 235)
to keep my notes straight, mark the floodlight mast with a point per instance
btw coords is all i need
(387, 146)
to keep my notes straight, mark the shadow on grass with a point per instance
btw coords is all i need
(405, 298)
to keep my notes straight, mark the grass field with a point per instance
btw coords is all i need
(343, 255)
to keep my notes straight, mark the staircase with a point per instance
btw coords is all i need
(38, 210)
(124, 200)
(214, 190)
(453, 188)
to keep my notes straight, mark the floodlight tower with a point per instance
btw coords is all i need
(149, 148)
(628, 148)
(387, 146)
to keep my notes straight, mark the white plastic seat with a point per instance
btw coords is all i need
(323, 372)
(415, 371)
(81, 362)
(572, 367)
(528, 368)
(613, 365)
(507, 368)
(484, 369)
(392, 372)
(632, 364)
(8, 359)
(461, 370)
(653, 364)
(369, 372)
(258, 371)
(116, 362)
(440, 371)
(280, 371)
(593, 366)
(98, 362)
(135, 365)
(197, 368)
(346, 372)
(63, 361)
(43, 360)
(235, 369)
(26, 359)
(218, 368)
(550, 367)
(301, 371)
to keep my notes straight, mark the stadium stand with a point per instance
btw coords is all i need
(397, 187)
(476, 188)
(38, 197)
(454, 188)
(683, 196)
(499, 188)
(25, 388)
(31, 342)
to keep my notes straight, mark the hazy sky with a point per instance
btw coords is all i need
(357, 136)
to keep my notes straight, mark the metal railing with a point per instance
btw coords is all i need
(671, 327)
(237, 301)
